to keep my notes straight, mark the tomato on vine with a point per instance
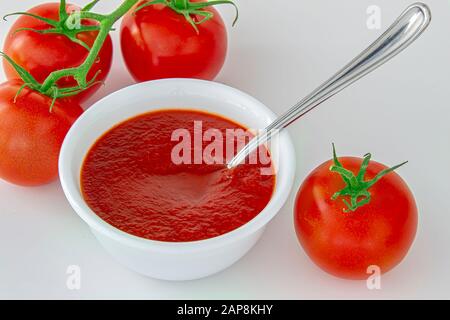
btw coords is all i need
(48, 38)
(55, 63)
(174, 39)
(30, 135)
(352, 213)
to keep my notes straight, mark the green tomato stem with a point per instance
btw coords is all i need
(67, 26)
(356, 187)
(192, 9)
(90, 5)
(80, 73)
(181, 4)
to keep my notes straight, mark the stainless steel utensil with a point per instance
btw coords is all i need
(407, 28)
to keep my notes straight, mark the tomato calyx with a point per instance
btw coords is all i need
(53, 91)
(189, 9)
(356, 188)
(68, 25)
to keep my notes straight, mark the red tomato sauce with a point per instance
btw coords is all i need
(129, 180)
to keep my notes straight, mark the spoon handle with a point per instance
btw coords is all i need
(407, 28)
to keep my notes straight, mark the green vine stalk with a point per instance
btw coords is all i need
(355, 186)
(67, 26)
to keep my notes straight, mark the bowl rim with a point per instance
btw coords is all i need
(70, 185)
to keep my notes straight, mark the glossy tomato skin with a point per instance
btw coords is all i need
(159, 43)
(346, 244)
(30, 135)
(42, 54)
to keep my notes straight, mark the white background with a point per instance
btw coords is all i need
(279, 52)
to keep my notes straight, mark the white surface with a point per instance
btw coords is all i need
(163, 260)
(278, 53)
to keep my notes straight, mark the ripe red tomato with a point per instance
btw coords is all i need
(345, 242)
(159, 43)
(30, 135)
(41, 54)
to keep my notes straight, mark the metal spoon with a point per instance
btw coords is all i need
(407, 28)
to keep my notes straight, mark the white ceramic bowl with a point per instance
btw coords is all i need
(165, 260)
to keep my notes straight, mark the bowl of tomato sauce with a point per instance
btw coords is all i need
(145, 168)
